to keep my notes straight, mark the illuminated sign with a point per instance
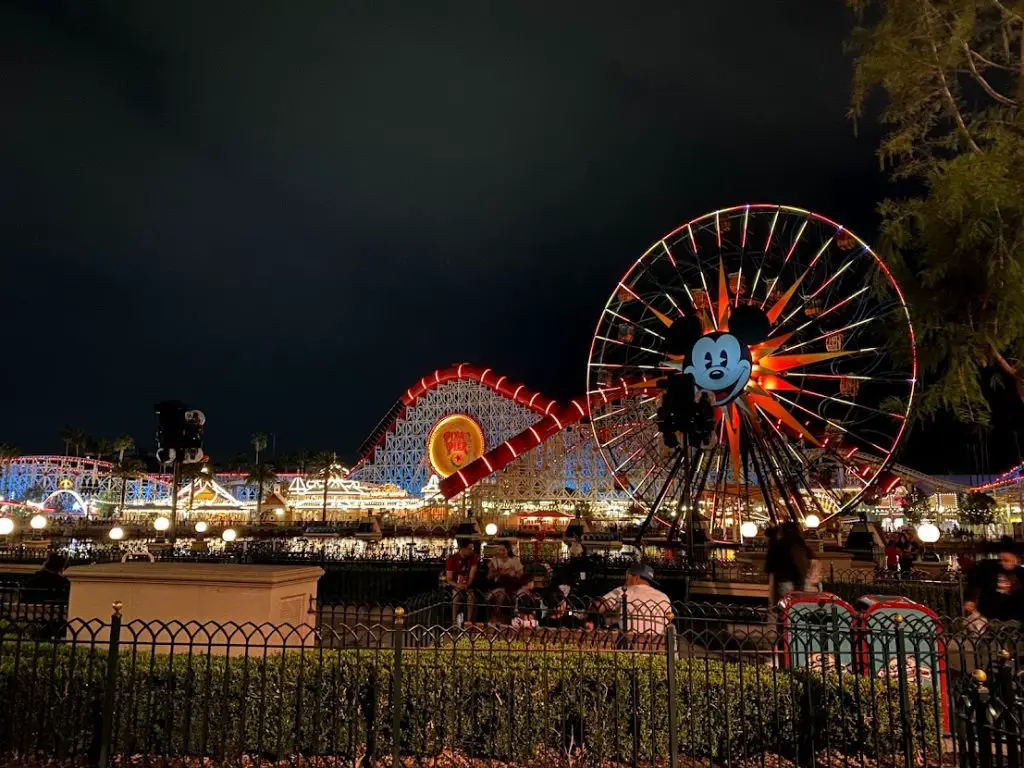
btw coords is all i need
(454, 442)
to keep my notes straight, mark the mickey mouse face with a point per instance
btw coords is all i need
(720, 364)
(720, 361)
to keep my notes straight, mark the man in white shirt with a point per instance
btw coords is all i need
(646, 607)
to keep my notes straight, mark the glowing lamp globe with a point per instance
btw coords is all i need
(38, 522)
(748, 530)
(116, 533)
(201, 526)
(490, 529)
(6, 526)
(161, 523)
(812, 521)
(928, 533)
(229, 534)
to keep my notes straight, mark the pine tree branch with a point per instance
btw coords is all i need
(1006, 101)
(944, 86)
(1007, 12)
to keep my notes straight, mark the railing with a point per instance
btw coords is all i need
(706, 688)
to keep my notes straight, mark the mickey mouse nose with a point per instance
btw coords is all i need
(716, 374)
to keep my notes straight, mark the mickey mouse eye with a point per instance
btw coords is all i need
(707, 360)
(724, 356)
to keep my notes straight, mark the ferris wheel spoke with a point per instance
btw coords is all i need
(827, 335)
(831, 423)
(852, 404)
(665, 319)
(824, 313)
(634, 323)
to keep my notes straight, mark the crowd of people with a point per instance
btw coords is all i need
(541, 595)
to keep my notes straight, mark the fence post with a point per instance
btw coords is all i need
(109, 694)
(396, 689)
(901, 676)
(670, 677)
(1008, 731)
(982, 719)
(625, 612)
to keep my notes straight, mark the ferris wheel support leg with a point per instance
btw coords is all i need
(659, 498)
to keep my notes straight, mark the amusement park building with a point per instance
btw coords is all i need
(542, 454)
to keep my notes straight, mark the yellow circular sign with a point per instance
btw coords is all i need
(454, 442)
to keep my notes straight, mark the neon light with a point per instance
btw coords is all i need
(746, 216)
(483, 376)
(557, 422)
(487, 463)
(497, 386)
(535, 435)
(669, 254)
(511, 450)
(533, 398)
(550, 406)
(515, 395)
(579, 408)
(459, 370)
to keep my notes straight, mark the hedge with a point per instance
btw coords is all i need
(501, 703)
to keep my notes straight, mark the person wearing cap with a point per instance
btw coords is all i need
(646, 606)
(995, 588)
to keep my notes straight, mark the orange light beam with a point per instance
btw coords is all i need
(780, 305)
(780, 363)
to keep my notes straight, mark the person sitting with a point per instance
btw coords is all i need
(646, 606)
(460, 572)
(48, 585)
(505, 575)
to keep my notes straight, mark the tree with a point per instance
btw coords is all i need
(126, 470)
(195, 473)
(259, 443)
(917, 505)
(952, 74)
(260, 475)
(976, 508)
(73, 438)
(324, 467)
(121, 444)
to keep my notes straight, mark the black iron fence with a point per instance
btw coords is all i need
(720, 685)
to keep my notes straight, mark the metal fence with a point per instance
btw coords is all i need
(720, 686)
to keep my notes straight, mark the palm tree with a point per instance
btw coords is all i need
(323, 467)
(67, 435)
(76, 437)
(101, 446)
(195, 473)
(260, 475)
(123, 443)
(7, 452)
(259, 443)
(125, 470)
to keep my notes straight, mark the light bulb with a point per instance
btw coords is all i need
(928, 533)
(811, 521)
(161, 523)
(229, 534)
(6, 526)
(491, 529)
(116, 533)
(38, 522)
(201, 526)
(748, 530)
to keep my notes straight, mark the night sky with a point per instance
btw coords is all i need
(286, 214)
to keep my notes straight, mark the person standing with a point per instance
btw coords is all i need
(995, 588)
(460, 572)
(787, 562)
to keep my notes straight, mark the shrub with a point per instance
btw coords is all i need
(503, 702)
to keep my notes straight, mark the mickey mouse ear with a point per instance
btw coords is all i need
(749, 324)
(683, 334)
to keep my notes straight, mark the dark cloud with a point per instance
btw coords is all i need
(286, 214)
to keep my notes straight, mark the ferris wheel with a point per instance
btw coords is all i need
(757, 363)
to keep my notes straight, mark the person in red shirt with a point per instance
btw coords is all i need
(460, 571)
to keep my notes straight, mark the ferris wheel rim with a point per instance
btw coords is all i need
(884, 460)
